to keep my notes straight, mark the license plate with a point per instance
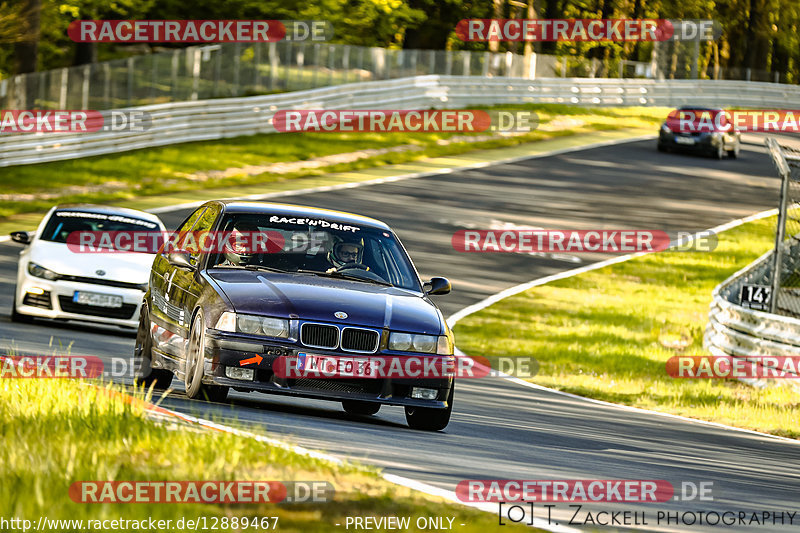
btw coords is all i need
(755, 296)
(97, 299)
(684, 140)
(328, 366)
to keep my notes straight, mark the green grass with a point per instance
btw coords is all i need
(163, 170)
(608, 333)
(57, 431)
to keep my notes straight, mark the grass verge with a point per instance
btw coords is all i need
(607, 334)
(59, 431)
(181, 167)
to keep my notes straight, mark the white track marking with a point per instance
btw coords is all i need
(483, 304)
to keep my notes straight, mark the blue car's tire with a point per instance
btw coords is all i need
(195, 363)
(355, 407)
(429, 419)
(143, 373)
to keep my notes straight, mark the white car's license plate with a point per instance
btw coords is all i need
(359, 367)
(684, 140)
(97, 299)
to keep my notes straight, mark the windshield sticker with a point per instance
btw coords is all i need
(111, 218)
(313, 222)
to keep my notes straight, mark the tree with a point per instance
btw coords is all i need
(19, 24)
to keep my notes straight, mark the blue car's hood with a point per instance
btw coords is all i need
(317, 298)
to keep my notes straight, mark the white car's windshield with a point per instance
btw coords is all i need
(63, 223)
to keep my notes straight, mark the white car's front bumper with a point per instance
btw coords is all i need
(54, 299)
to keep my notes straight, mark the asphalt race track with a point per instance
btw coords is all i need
(500, 429)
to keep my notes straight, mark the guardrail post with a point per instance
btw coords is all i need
(195, 71)
(87, 71)
(174, 72)
(131, 80)
(256, 65)
(13, 93)
(288, 64)
(532, 59)
(237, 64)
(274, 62)
(62, 96)
(217, 70)
(331, 63)
(106, 86)
(316, 66)
(346, 62)
(783, 170)
(153, 77)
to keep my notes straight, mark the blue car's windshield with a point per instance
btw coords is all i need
(310, 244)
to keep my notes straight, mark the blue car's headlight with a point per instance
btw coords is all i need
(42, 272)
(410, 342)
(254, 325)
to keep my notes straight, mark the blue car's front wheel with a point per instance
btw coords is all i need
(195, 363)
(430, 419)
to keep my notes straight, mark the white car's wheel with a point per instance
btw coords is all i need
(16, 316)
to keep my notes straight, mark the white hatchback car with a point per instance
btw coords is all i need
(56, 280)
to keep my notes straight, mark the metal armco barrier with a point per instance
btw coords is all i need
(737, 331)
(200, 120)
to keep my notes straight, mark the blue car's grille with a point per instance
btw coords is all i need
(319, 335)
(360, 340)
(348, 339)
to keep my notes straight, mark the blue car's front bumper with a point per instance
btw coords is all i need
(230, 349)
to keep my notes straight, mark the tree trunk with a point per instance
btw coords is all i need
(26, 53)
(85, 53)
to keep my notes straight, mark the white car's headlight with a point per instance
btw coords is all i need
(252, 324)
(42, 272)
(408, 342)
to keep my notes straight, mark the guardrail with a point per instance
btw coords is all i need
(737, 331)
(179, 122)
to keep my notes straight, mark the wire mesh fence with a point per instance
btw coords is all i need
(236, 69)
(785, 282)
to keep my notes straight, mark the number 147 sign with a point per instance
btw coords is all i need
(755, 296)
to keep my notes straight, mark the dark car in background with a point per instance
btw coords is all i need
(703, 130)
(335, 286)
